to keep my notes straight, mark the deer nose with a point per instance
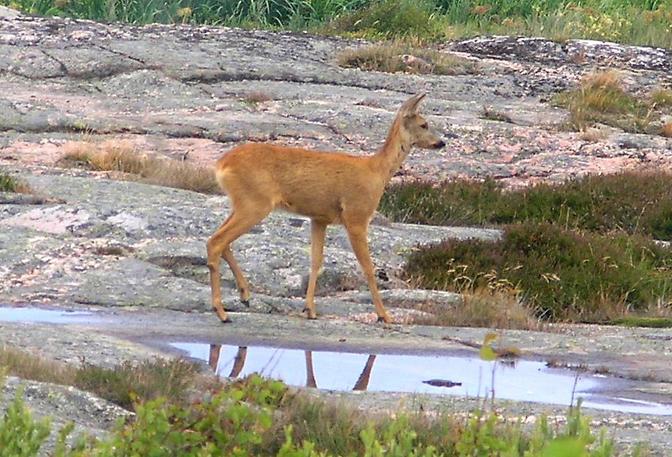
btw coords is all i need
(439, 144)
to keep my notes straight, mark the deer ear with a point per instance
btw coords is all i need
(411, 105)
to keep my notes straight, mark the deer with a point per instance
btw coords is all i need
(327, 187)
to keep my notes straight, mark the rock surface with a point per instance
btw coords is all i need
(135, 252)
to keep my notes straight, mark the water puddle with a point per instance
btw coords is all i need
(444, 375)
(41, 315)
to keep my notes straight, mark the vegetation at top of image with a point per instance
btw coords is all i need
(601, 98)
(123, 157)
(398, 56)
(390, 19)
(261, 417)
(561, 274)
(641, 22)
(632, 202)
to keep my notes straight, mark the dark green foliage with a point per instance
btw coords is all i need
(636, 203)
(20, 434)
(129, 382)
(562, 274)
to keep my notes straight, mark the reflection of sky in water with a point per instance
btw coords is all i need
(9, 314)
(528, 381)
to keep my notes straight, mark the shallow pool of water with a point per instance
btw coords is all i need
(445, 375)
(40, 315)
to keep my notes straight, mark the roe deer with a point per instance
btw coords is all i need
(326, 187)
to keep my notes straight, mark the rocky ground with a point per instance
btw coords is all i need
(135, 252)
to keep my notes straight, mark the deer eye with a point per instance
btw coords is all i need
(424, 126)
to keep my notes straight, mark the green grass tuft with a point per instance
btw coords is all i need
(600, 98)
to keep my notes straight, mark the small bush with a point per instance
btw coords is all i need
(559, 273)
(396, 57)
(20, 434)
(632, 202)
(123, 157)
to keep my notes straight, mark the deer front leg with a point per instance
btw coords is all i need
(357, 234)
(318, 231)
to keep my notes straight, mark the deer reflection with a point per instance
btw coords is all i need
(310, 374)
(239, 362)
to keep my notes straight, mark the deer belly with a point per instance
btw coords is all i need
(316, 208)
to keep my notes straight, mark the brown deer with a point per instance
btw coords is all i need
(329, 188)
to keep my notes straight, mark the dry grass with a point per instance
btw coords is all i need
(482, 308)
(29, 366)
(123, 157)
(666, 130)
(143, 380)
(662, 97)
(593, 134)
(396, 57)
(256, 97)
(601, 99)
(494, 115)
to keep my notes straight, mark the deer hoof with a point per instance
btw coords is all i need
(226, 321)
(309, 314)
(384, 319)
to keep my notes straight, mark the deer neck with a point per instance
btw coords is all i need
(393, 153)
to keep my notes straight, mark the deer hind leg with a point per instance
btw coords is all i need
(241, 281)
(241, 220)
(357, 233)
(317, 234)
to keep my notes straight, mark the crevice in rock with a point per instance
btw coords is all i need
(186, 267)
